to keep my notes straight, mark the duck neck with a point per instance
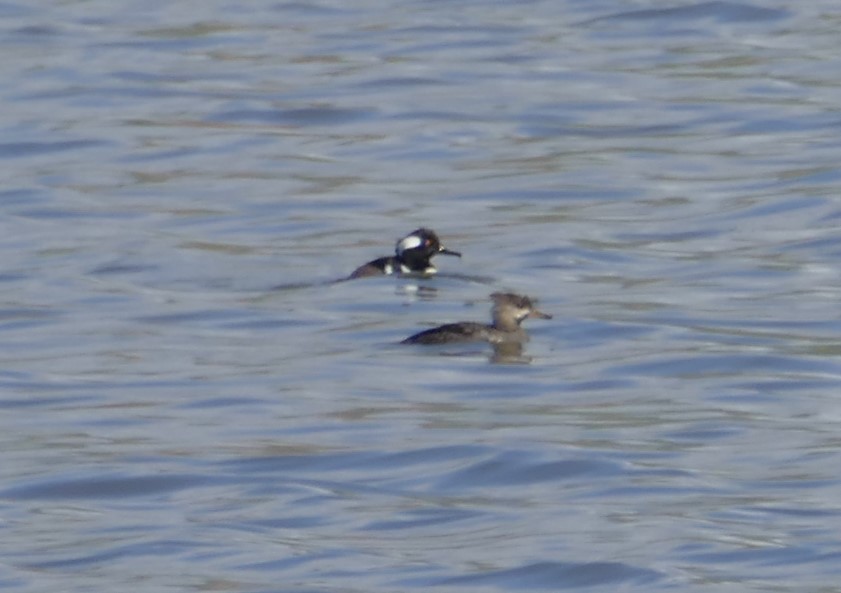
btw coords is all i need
(415, 261)
(506, 323)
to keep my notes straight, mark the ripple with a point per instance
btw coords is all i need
(723, 12)
(19, 150)
(101, 487)
(514, 469)
(310, 116)
(560, 575)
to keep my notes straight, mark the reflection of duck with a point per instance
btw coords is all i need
(509, 353)
(509, 311)
(412, 255)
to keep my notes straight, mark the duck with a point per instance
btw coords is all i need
(412, 255)
(508, 312)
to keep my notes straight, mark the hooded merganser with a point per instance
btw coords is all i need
(411, 256)
(509, 311)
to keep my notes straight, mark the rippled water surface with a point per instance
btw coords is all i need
(190, 401)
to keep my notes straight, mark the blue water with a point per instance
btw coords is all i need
(189, 400)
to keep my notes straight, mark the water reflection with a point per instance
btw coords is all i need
(509, 353)
(504, 353)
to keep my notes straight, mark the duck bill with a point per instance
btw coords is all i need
(539, 314)
(446, 251)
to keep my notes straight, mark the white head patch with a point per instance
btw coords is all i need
(410, 242)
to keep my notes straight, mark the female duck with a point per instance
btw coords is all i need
(509, 311)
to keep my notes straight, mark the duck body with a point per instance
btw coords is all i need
(465, 331)
(378, 267)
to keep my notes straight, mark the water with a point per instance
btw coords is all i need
(190, 402)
